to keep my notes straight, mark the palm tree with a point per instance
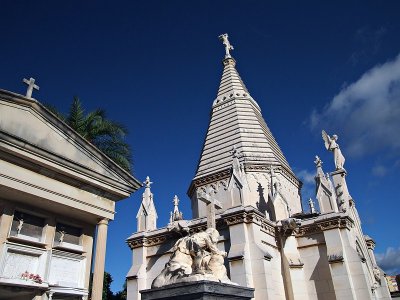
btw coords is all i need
(106, 135)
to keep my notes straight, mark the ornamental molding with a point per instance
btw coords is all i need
(278, 169)
(246, 215)
(250, 216)
(339, 222)
(249, 168)
(149, 241)
(212, 178)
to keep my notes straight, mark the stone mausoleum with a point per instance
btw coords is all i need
(245, 185)
(56, 191)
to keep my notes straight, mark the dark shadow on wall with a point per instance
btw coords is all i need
(321, 276)
(261, 203)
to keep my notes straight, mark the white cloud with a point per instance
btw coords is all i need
(389, 261)
(379, 170)
(306, 176)
(366, 113)
(308, 188)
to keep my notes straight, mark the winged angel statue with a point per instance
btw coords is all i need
(332, 145)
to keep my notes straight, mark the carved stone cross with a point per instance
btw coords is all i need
(31, 85)
(212, 204)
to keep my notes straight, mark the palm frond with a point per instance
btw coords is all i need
(105, 134)
(76, 117)
(117, 150)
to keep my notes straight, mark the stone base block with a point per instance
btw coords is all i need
(205, 290)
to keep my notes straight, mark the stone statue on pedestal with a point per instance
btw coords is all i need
(227, 44)
(20, 224)
(332, 145)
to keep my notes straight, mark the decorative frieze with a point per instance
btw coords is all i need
(219, 176)
(319, 226)
(241, 216)
(279, 169)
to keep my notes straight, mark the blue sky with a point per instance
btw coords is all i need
(155, 66)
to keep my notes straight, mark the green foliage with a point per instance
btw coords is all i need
(107, 293)
(121, 295)
(108, 136)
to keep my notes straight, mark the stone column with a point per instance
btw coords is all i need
(5, 224)
(137, 275)
(337, 250)
(239, 255)
(98, 274)
(87, 243)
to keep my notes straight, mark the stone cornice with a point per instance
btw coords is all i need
(31, 157)
(151, 238)
(55, 193)
(230, 217)
(239, 215)
(318, 226)
(249, 215)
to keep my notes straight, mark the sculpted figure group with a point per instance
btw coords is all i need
(195, 257)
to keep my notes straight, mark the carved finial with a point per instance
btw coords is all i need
(147, 214)
(31, 85)
(147, 182)
(176, 202)
(227, 44)
(312, 207)
(318, 161)
(176, 215)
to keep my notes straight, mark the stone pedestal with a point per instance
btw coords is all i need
(207, 290)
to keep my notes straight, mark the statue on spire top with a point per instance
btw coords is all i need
(228, 46)
(332, 145)
(147, 183)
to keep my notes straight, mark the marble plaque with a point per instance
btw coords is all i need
(65, 271)
(18, 263)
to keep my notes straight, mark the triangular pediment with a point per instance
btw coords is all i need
(28, 130)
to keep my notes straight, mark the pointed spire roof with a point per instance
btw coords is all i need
(236, 120)
(231, 83)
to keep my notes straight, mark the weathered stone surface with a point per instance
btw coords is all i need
(198, 290)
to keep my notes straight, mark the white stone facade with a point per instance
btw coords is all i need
(326, 257)
(55, 189)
